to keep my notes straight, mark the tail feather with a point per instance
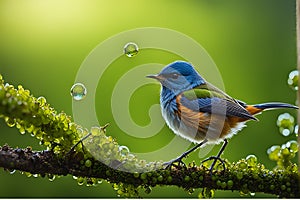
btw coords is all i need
(274, 105)
(258, 108)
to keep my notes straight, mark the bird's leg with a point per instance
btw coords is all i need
(216, 158)
(85, 137)
(185, 154)
(81, 142)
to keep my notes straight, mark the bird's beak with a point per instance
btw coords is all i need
(157, 77)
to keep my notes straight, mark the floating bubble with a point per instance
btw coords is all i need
(123, 150)
(78, 91)
(285, 122)
(293, 79)
(131, 49)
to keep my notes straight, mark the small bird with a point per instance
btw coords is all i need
(200, 112)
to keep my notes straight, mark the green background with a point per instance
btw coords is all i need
(44, 42)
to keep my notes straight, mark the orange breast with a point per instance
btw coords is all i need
(216, 125)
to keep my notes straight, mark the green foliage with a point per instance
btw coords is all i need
(101, 157)
(35, 116)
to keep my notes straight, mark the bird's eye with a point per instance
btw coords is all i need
(174, 76)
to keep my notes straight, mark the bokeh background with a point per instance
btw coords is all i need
(44, 42)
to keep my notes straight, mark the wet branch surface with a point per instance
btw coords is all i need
(46, 162)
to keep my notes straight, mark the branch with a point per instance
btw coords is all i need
(102, 158)
(249, 178)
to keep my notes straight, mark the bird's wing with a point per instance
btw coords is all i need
(208, 98)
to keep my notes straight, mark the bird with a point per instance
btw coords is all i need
(200, 112)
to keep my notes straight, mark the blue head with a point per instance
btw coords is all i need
(178, 77)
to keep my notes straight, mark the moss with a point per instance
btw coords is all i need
(100, 156)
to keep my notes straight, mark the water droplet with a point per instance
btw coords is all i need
(12, 171)
(96, 131)
(293, 145)
(35, 175)
(28, 174)
(293, 79)
(80, 180)
(285, 132)
(41, 100)
(22, 130)
(296, 130)
(123, 150)
(131, 156)
(51, 177)
(252, 194)
(251, 160)
(285, 122)
(274, 152)
(242, 193)
(78, 91)
(131, 49)
(10, 122)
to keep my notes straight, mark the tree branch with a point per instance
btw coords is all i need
(102, 158)
(250, 178)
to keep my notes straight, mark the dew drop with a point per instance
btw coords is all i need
(296, 130)
(80, 180)
(123, 150)
(28, 174)
(10, 122)
(251, 160)
(285, 132)
(285, 122)
(78, 91)
(22, 130)
(12, 171)
(131, 156)
(274, 152)
(292, 145)
(252, 194)
(51, 177)
(35, 175)
(96, 131)
(41, 100)
(293, 79)
(131, 49)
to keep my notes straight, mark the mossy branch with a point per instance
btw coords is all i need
(284, 184)
(59, 134)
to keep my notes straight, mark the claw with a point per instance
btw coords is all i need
(215, 158)
(178, 160)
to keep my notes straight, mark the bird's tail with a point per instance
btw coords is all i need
(255, 109)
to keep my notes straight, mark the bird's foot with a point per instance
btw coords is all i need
(180, 164)
(215, 159)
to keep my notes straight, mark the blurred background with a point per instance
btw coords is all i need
(44, 42)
